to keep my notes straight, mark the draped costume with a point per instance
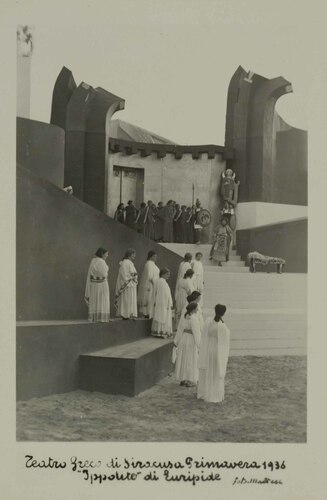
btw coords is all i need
(187, 339)
(213, 359)
(145, 292)
(162, 310)
(126, 293)
(97, 290)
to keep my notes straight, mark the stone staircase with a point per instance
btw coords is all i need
(235, 264)
(266, 312)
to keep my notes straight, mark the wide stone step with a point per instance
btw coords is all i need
(126, 369)
(261, 351)
(214, 268)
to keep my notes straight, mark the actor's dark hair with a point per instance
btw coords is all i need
(189, 273)
(151, 254)
(193, 296)
(199, 253)
(219, 312)
(190, 308)
(100, 252)
(187, 257)
(128, 253)
(163, 271)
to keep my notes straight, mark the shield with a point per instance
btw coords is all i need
(204, 217)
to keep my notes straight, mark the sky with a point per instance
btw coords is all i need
(172, 61)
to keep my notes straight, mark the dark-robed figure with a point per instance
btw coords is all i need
(149, 220)
(130, 214)
(120, 213)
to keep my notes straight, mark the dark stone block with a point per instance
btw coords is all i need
(126, 369)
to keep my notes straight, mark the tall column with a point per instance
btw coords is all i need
(24, 53)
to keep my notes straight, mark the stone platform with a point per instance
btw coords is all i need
(126, 369)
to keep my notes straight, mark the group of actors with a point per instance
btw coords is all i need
(201, 349)
(165, 223)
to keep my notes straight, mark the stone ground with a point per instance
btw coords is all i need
(265, 401)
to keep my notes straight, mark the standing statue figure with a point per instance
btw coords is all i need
(229, 194)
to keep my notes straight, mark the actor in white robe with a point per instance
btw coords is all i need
(183, 267)
(146, 287)
(187, 342)
(126, 289)
(198, 275)
(185, 287)
(162, 307)
(97, 289)
(213, 359)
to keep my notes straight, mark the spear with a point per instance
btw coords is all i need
(192, 195)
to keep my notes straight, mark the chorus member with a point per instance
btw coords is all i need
(195, 297)
(126, 287)
(176, 223)
(159, 222)
(120, 213)
(97, 289)
(213, 358)
(130, 214)
(148, 279)
(168, 213)
(187, 342)
(198, 273)
(149, 221)
(185, 287)
(140, 219)
(183, 267)
(182, 228)
(162, 307)
(189, 225)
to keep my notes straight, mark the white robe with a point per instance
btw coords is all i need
(127, 300)
(97, 290)
(198, 277)
(185, 287)
(187, 339)
(146, 288)
(183, 267)
(213, 359)
(163, 302)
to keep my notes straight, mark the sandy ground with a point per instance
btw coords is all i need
(265, 402)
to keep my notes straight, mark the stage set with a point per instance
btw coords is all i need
(258, 178)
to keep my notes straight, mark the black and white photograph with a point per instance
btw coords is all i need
(161, 248)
